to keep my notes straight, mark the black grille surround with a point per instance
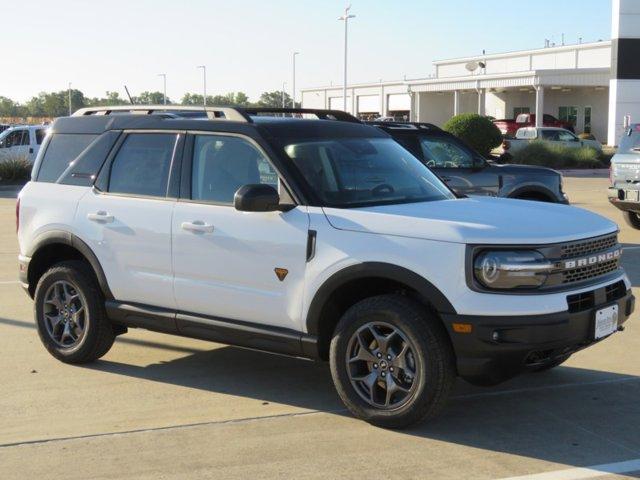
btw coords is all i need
(574, 266)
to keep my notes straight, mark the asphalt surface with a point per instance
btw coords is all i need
(158, 406)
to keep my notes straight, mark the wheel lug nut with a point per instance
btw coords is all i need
(388, 357)
(379, 355)
(383, 374)
(375, 365)
(391, 369)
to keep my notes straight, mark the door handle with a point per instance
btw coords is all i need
(101, 217)
(31, 150)
(197, 226)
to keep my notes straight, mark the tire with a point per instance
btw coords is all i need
(552, 364)
(70, 333)
(428, 373)
(632, 219)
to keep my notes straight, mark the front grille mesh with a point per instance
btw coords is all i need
(590, 271)
(586, 247)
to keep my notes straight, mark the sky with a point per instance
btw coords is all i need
(247, 45)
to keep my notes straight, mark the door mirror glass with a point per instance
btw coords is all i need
(256, 198)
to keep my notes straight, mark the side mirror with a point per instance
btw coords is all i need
(256, 198)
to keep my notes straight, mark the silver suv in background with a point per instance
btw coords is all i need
(624, 192)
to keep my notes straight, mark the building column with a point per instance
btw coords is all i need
(456, 102)
(480, 101)
(539, 105)
(624, 86)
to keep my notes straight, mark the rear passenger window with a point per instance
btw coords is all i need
(61, 151)
(221, 165)
(25, 137)
(40, 134)
(142, 165)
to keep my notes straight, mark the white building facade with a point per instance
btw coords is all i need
(569, 82)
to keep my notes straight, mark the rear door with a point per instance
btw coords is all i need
(126, 218)
(228, 264)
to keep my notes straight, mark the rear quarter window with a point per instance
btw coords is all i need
(61, 150)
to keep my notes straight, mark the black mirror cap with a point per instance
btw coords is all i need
(257, 198)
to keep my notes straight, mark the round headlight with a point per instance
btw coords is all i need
(505, 270)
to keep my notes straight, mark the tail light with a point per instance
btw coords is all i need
(506, 145)
(17, 214)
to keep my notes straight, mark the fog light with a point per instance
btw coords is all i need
(495, 336)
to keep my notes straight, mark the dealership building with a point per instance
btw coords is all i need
(593, 85)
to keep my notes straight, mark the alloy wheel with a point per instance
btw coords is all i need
(64, 314)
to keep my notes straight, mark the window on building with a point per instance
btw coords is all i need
(142, 165)
(518, 110)
(587, 119)
(568, 114)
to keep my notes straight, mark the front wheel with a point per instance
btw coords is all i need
(391, 361)
(632, 219)
(70, 315)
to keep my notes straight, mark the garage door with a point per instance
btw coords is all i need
(369, 104)
(399, 101)
(335, 103)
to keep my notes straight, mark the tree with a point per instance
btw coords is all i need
(239, 99)
(193, 99)
(8, 108)
(477, 131)
(151, 98)
(274, 99)
(112, 98)
(55, 104)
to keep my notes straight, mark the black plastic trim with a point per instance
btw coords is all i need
(311, 244)
(427, 291)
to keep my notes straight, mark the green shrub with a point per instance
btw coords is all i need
(586, 136)
(477, 131)
(557, 156)
(14, 169)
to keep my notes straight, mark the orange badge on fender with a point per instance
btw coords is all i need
(281, 273)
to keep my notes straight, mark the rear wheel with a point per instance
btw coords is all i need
(391, 362)
(632, 219)
(70, 315)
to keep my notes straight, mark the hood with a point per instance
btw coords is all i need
(510, 168)
(475, 221)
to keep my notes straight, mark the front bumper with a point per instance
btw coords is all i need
(496, 348)
(618, 198)
(23, 271)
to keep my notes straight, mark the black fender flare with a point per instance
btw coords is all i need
(67, 238)
(534, 189)
(427, 291)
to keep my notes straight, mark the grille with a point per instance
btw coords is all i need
(586, 247)
(616, 291)
(581, 301)
(590, 271)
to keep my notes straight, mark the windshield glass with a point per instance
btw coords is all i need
(630, 142)
(353, 172)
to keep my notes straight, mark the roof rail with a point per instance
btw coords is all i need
(212, 113)
(320, 113)
(405, 125)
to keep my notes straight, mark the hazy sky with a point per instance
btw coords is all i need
(101, 45)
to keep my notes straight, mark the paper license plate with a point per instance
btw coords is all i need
(606, 321)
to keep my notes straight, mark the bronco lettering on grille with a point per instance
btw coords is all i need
(592, 259)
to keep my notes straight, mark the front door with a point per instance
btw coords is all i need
(246, 266)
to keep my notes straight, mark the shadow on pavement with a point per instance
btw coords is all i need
(570, 416)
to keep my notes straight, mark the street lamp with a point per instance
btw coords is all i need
(69, 95)
(164, 82)
(345, 18)
(293, 99)
(204, 83)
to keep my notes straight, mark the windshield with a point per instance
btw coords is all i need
(630, 142)
(353, 172)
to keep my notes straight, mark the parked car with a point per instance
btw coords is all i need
(510, 127)
(4, 126)
(22, 142)
(554, 136)
(315, 238)
(467, 172)
(624, 192)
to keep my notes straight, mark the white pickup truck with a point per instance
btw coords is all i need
(553, 135)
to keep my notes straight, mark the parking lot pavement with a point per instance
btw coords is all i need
(165, 407)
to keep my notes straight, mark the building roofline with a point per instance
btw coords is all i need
(517, 53)
(388, 83)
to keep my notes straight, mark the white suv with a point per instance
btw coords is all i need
(320, 238)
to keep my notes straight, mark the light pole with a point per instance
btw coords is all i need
(345, 18)
(69, 95)
(293, 99)
(204, 83)
(164, 83)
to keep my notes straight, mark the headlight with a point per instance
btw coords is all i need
(503, 270)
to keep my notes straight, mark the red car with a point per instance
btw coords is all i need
(509, 127)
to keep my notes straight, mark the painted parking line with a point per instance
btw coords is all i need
(594, 471)
(9, 282)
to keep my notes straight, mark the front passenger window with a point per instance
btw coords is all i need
(222, 164)
(441, 153)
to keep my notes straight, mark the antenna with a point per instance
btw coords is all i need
(128, 94)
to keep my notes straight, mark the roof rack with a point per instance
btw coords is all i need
(405, 125)
(320, 113)
(212, 113)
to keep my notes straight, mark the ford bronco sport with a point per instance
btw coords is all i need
(624, 192)
(314, 238)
